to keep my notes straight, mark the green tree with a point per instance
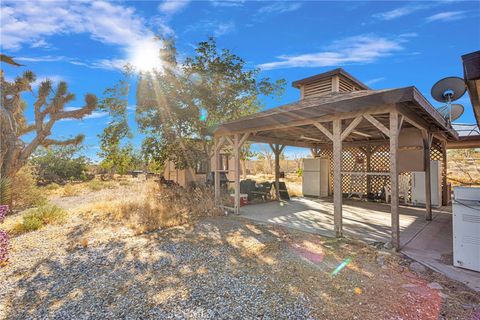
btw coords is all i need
(59, 164)
(180, 106)
(116, 157)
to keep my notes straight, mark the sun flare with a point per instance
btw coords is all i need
(144, 56)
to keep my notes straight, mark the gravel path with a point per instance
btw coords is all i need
(220, 268)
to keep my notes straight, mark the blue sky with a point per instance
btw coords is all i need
(384, 44)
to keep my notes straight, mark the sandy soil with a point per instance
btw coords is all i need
(218, 268)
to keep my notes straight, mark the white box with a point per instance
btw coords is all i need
(466, 228)
(315, 177)
(418, 185)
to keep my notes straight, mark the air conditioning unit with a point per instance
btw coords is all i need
(466, 228)
(418, 185)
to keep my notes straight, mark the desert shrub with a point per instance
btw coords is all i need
(59, 164)
(5, 190)
(36, 218)
(70, 190)
(52, 186)
(95, 185)
(124, 183)
(24, 191)
(152, 206)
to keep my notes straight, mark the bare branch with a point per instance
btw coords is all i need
(91, 104)
(73, 141)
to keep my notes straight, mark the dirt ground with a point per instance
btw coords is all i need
(218, 268)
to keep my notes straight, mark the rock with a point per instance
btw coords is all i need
(408, 285)
(417, 267)
(442, 295)
(381, 260)
(434, 285)
(388, 246)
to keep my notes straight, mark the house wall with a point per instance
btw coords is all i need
(410, 153)
(184, 177)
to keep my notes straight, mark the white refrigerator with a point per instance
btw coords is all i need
(418, 185)
(315, 177)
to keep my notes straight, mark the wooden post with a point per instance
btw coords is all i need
(394, 179)
(277, 150)
(236, 152)
(216, 171)
(427, 143)
(444, 174)
(277, 172)
(337, 178)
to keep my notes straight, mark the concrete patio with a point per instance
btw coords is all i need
(429, 242)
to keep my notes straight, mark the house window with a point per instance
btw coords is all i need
(201, 167)
(224, 162)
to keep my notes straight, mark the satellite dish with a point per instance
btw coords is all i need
(451, 112)
(448, 89)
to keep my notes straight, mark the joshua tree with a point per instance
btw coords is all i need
(49, 107)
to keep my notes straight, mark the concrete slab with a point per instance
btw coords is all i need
(361, 220)
(428, 242)
(433, 247)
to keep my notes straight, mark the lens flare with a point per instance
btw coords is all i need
(341, 266)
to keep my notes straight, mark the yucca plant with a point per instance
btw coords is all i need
(5, 190)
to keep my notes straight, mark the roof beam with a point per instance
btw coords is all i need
(351, 127)
(324, 130)
(377, 124)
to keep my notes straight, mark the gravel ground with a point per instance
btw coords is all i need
(219, 268)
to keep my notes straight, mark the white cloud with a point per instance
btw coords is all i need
(96, 115)
(227, 3)
(110, 23)
(223, 28)
(107, 64)
(40, 44)
(398, 12)
(211, 27)
(374, 80)
(446, 16)
(93, 115)
(170, 7)
(357, 49)
(279, 7)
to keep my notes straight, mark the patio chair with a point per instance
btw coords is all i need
(403, 188)
(263, 191)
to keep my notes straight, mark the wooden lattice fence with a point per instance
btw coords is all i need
(355, 159)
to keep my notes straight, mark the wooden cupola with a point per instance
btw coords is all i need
(337, 80)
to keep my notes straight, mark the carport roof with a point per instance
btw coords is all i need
(313, 109)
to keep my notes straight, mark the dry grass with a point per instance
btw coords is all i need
(75, 189)
(463, 167)
(150, 206)
(24, 192)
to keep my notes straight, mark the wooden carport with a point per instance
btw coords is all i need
(339, 120)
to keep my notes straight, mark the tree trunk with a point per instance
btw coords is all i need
(244, 168)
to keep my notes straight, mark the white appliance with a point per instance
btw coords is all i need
(466, 228)
(315, 177)
(418, 185)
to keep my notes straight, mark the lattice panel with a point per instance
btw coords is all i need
(354, 159)
(379, 162)
(328, 153)
(437, 154)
